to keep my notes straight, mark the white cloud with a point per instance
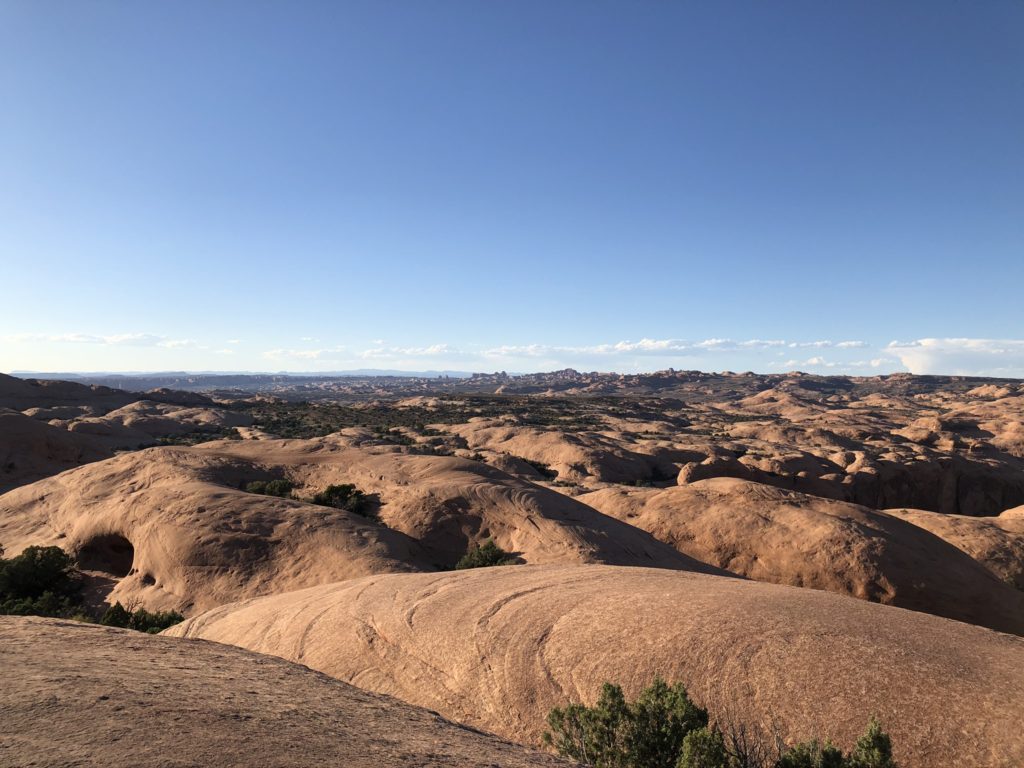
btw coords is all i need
(762, 344)
(978, 357)
(118, 340)
(391, 353)
(176, 343)
(296, 354)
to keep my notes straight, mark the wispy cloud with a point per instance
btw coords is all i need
(825, 344)
(299, 354)
(395, 353)
(121, 339)
(963, 356)
(645, 346)
(985, 357)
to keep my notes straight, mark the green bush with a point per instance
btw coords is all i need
(873, 749)
(614, 733)
(663, 728)
(140, 619)
(41, 581)
(812, 754)
(704, 748)
(346, 497)
(542, 468)
(281, 488)
(484, 556)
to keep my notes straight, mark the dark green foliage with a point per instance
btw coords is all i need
(593, 735)
(812, 754)
(116, 616)
(704, 748)
(484, 556)
(663, 728)
(395, 436)
(140, 619)
(199, 436)
(314, 419)
(38, 570)
(543, 469)
(614, 733)
(47, 604)
(41, 581)
(661, 718)
(347, 497)
(282, 488)
(873, 748)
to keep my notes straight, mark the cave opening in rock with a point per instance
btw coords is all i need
(110, 553)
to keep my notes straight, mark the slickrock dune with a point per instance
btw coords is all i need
(875, 443)
(784, 537)
(572, 456)
(139, 423)
(995, 542)
(79, 695)
(30, 450)
(21, 394)
(446, 503)
(173, 528)
(498, 647)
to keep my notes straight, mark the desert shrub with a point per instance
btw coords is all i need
(663, 728)
(542, 468)
(394, 436)
(116, 616)
(873, 749)
(812, 754)
(47, 604)
(41, 581)
(347, 497)
(484, 556)
(281, 488)
(614, 733)
(140, 619)
(704, 748)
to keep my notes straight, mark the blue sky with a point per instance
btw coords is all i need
(521, 186)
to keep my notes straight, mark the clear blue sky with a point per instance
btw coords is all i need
(517, 185)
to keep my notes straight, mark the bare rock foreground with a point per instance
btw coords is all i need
(79, 695)
(498, 647)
